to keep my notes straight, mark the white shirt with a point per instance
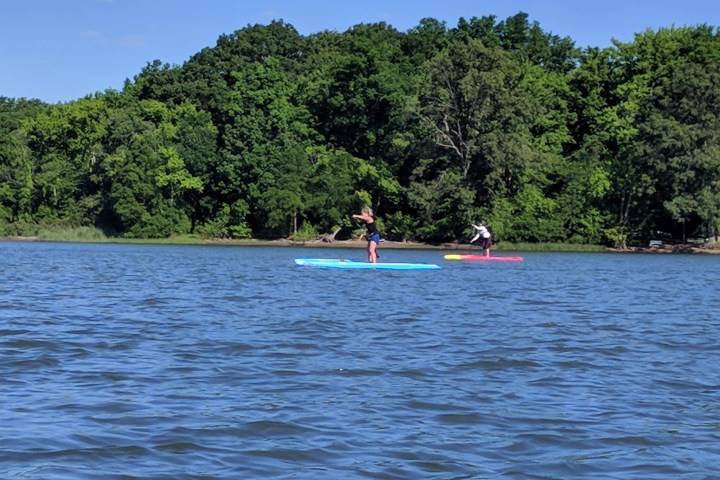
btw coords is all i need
(482, 231)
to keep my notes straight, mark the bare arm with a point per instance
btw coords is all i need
(363, 217)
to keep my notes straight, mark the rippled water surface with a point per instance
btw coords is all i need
(172, 362)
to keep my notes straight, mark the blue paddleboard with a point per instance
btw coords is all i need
(349, 264)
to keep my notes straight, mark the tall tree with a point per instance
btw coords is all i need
(672, 88)
(145, 176)
(268, 130)
(478, 111)
(66, 144)
(16, 167)
(681, 146)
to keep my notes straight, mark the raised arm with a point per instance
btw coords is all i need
(363, 216)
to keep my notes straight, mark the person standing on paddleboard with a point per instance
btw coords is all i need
(372, 234)
(482, 231)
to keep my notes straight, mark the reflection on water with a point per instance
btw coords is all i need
(143, 361)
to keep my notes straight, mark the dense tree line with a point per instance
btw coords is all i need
(271, 134)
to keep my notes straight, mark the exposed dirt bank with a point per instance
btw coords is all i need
(711, 249)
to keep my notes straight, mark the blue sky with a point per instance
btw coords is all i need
(61, 50)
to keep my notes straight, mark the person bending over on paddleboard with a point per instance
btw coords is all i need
(372, 234)
(482, 231)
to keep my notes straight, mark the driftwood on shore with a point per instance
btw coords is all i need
(330, 237)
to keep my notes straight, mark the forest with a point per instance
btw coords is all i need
(271, 134)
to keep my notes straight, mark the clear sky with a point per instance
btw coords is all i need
(62, 50)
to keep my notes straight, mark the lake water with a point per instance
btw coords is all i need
(200, 362)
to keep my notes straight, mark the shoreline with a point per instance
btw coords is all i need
(360, 244)
(318, 243)
(684, 248)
